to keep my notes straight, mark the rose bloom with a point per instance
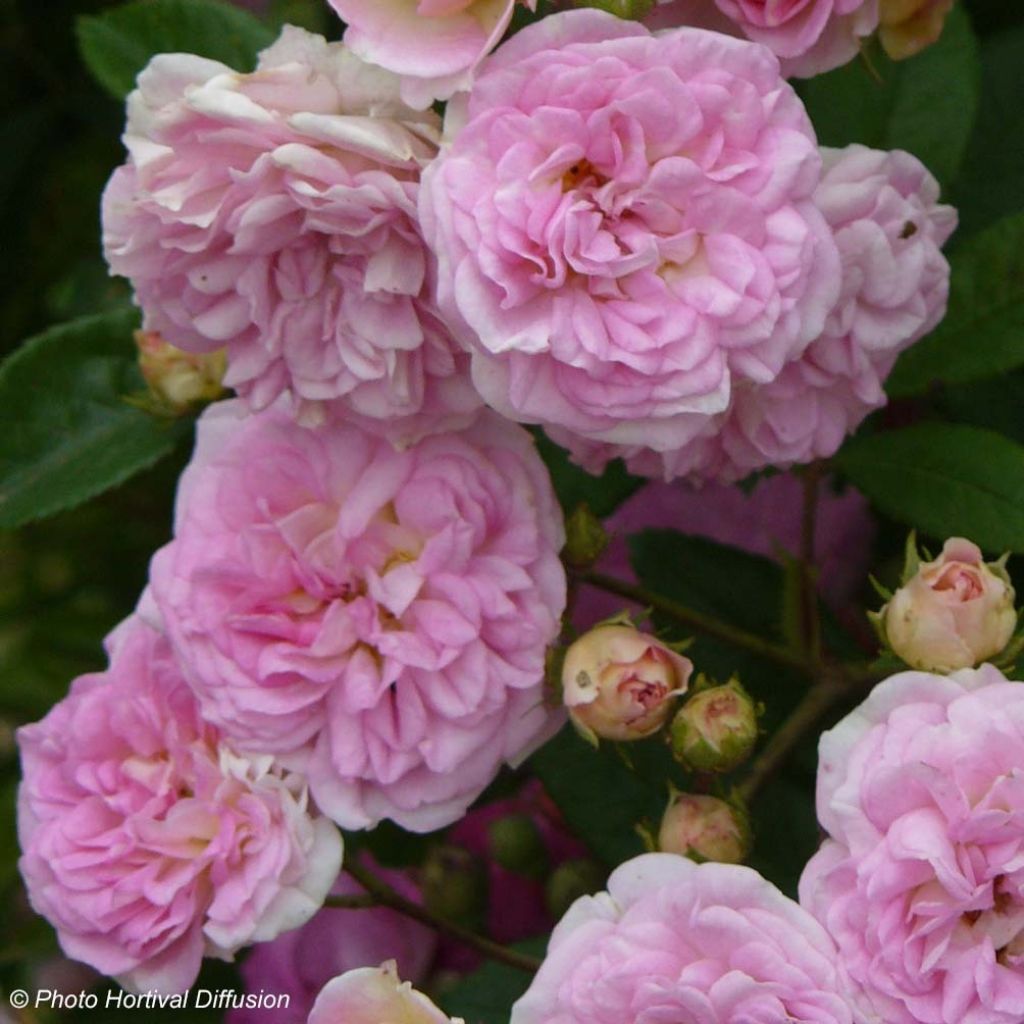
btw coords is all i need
(953, 613)
(620, 684)
(147, 841)
(909, 26)
(434, 45)
(889, 226)
(381, 616)
(810, 36)
(274, 213)
(374, 995)
(624, 228)
(921, 881)
(672, 941)
(300, 962)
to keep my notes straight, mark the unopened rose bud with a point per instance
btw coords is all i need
(570, 881)
(585, 538)
(716, 729)
(620, 684)
(704, 828)
(454, 885)
(516, 844)
(179, 379)
(633, 10)
(953, 613)
(906, 27)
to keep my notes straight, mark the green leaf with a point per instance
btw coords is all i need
(945, 479)
(602, 799)
(926, 105)
(486, 996)
(66, 431)
(983, 331)
(574, 486)
(117, 44)
(991, 181)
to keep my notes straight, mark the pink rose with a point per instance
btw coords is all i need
(374, 995)
(954, 612)
(675, 941)
(275, 214)
(434, 45)
(621, 684)
(624, 228)
(299, 963)
(147, 841)
(889, 227)
(810, 36)
(381, 616)
(921, 881)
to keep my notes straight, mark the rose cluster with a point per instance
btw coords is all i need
(627, 238)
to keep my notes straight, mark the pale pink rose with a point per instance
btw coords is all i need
(148, 842)
(433, 45)
(909, 26)
(380, 615)
(809, 36)
(374, 995)
(625, 230)
(921, 881)
(299, 963)
(274, 213)
(621, 684)
(889, 226)
(955, 612)
(675, 941)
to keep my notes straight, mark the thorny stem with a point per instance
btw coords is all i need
(810, 616)
(689, 618)
(380, 894)
(829, 691)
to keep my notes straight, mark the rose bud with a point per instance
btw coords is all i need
(454, 885)
(178, 379)
(716, 729)
(516, 844)
(906, 27)
(569, 881)
(619, 683)
(585, 538)
(952, 613)
(704, 828)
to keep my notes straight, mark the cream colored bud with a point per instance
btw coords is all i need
(178, 378)
(621, 684)
(704, 828)
(906, 27)
(953, 613)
